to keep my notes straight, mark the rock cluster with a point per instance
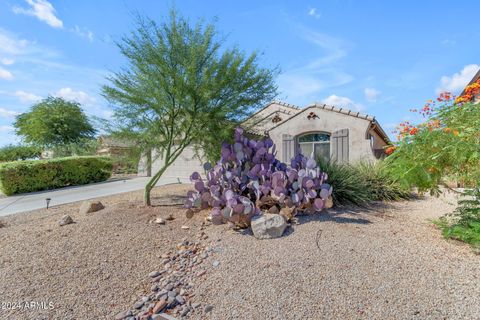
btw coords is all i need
(171, 294)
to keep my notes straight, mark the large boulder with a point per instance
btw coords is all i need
(91, 206)
(268, 226)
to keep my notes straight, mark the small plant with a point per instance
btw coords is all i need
(464, 223)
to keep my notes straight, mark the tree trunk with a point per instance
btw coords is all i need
(153, 181)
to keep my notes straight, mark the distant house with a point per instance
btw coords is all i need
(325, 131)
(109, 145)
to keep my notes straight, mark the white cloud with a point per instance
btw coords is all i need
(342, 102)
(457, 82)
(4, 113)
(371, 94)
(334, 49)
(84, 33)
(6, 129)
(448, 42)
(23, 50)
(11, 45)
(41, 9)
(313, 13)
(7, 61)
(78, 96)
(303, 84)
(5, 74)
(26, 97)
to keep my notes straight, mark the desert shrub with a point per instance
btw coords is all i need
(248, 177)
(361, 183)
(381, 185)
(36, 175)
(464, 223)
(444, 148)
(349, 185)
(14, 153)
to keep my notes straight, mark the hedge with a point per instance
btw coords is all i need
(36, 175)
(14, 153)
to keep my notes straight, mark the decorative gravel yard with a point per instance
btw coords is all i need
(387, 262)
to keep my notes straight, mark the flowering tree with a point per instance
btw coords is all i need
(446, 146)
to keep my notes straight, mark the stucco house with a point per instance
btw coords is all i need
(326, 131)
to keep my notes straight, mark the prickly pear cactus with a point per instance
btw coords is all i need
(248, 178)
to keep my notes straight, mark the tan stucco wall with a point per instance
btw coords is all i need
(360, 148)
(180, 170)
(328, 121)
(262, 121)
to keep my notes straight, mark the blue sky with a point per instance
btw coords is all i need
(380, 57)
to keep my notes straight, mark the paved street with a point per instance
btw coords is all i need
(36, 200)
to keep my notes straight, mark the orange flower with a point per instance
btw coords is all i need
(447, 130)
(455, 132)
(469, 93)
(413, 131)
(390, 150)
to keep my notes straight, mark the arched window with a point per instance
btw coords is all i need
(316, 143)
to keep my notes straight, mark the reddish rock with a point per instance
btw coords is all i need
(159, 306)
(91, 206)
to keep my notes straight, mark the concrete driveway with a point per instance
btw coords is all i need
(36, 200)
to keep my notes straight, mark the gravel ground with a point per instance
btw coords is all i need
(91, 269)
(389, 263)
(386, 263)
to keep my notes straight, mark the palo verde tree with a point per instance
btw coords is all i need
(182, 88)
(54, 122)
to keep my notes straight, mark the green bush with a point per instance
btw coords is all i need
(380, 183)
(37, 175)
(14, 153)
(361, 183)
(464, 223)
(81, 148)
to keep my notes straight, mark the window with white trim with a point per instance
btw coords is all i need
(317, 144)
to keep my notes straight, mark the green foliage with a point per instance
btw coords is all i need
(182, 87)
(469, 207)
(14, 153)
(469, 233)
(362, 183)
(380, 184)
(446, 146)
(464, 223)
(36, 175)
(83, 147)
(127, 162)
(349, 187)
(52, 122)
